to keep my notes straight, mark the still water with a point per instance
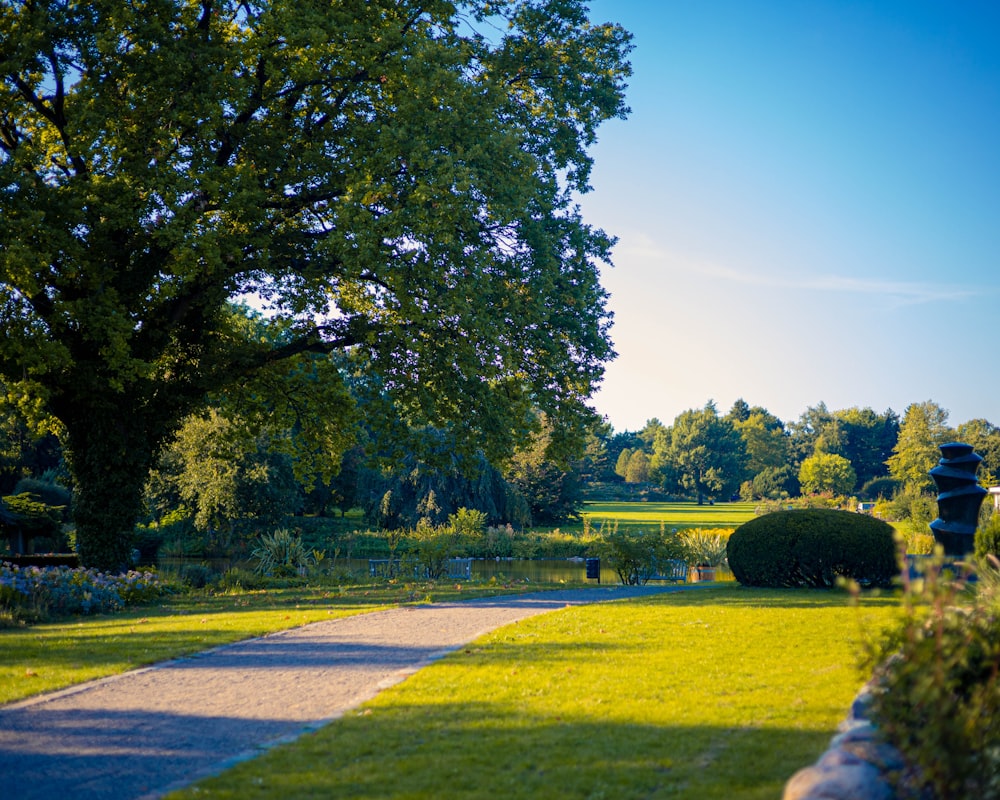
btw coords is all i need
(534, 570)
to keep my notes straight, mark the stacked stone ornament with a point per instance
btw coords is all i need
(959, 499)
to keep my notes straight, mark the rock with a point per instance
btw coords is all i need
(856, 781)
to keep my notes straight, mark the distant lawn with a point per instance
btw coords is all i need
(673, 515)
(716, 693)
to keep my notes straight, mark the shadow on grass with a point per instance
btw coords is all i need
(439, 750)
(486, 751)
(736, 595)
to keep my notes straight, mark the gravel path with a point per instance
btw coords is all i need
(153, 730)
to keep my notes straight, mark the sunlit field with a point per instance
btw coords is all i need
(672, 515)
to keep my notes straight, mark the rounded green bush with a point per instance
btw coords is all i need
(812, 548)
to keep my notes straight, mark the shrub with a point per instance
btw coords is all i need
(281, 554)
(882, 488)
(236, 579)
(936, 686)
(706, 547)
(634, 554)
(988, 538)
(197, 576)
(432, 546)
(813, 548)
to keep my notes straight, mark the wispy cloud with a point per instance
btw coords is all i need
(898, 293)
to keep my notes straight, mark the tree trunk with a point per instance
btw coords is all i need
(110, 454)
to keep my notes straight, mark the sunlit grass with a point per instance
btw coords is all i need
(680, 515)
(55, 655)
(720, 693)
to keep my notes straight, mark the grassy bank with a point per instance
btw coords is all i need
(717, 693)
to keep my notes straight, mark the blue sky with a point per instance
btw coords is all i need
(807, 200)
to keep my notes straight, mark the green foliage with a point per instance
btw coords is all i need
(937, 684)
(281, 554)
(634, 554)
(549, 485)
(911, 505)
(433, 481)
(813, 548)
(771, 483)
(431, 547)
(984, 437)
(765, 439)
(702, 454)
(988, 539)
(826, 472)
(923, 430)
(621, 465)
(468, 523)
(236, 580)
(34, 517)
(879, 488)
(637, 470)
(49, 492)
(706, 547)
(441, 251)
(224, 477)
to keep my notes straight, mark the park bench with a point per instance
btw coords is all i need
(671, 569)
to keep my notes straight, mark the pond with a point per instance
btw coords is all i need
(534, 570)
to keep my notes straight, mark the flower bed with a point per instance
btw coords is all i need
(35, 592)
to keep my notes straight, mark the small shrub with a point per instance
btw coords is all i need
(281, 554)
(236, 579)
(883, 488)
(706, 547)
(197, 576)
(634, 554)
(917, 543)
(936, 686)
(498, 542)
(431, 546)
(813, 548)
(988, 538)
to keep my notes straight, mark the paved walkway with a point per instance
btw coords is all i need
(153, 730)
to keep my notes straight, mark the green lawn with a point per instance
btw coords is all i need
(716, 693)
(50, 656)
(672, 515)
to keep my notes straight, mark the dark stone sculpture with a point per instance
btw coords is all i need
(959, 498)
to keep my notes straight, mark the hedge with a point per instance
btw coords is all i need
(813, 548)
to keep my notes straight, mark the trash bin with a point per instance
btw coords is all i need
(594, 569)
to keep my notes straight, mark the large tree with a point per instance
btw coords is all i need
(392, 178)
(923, 430)
(827, 472)
(701, 453)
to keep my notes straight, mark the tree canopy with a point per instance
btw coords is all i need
(701, 452)
(393, 181)
(923, 430)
